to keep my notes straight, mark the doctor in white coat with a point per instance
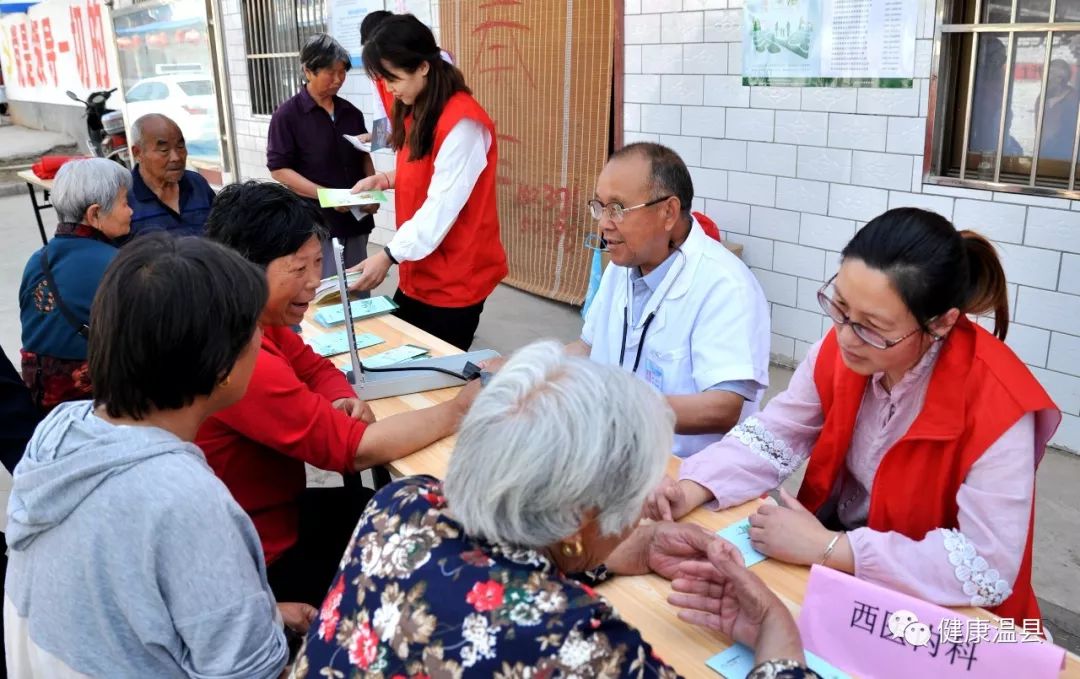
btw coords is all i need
(676, 307)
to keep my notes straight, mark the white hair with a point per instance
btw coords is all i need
(82, 183)
(142, 121)
(551, 438)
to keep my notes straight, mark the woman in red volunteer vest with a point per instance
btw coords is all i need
(922, 430)
(447, 241)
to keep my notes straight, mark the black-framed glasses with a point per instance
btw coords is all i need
(871, 337)
(615, 211)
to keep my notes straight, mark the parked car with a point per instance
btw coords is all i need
(188, 99)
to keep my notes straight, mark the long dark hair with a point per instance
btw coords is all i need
(404, 42)
(933, 266)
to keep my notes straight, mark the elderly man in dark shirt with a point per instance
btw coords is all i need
(306, 149)
(165, 196)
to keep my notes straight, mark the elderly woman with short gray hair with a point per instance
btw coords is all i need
(60, 279)
(306, 149)
(468, 578)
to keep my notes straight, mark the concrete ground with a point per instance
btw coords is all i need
(513, 318)
(20, 142)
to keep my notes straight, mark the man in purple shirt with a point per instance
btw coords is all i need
(306, 149)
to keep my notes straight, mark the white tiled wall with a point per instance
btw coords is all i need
(791, 173)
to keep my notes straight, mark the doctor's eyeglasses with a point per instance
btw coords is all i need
(615, 211)
(871, 337)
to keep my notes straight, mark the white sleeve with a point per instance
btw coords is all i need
(458, 165)
(730, 338)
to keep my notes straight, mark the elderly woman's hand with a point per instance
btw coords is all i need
(661, 548)
(464, 398)
(355, 408)
(297, 616)
(723, 595)
(672, 500)
(493, 365)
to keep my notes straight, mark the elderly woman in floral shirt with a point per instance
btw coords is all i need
(469, 578)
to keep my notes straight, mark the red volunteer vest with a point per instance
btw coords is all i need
(978, 390)
(385, 97)
(470, 261)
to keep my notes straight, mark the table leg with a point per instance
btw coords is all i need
(37, 212)
(381, 476)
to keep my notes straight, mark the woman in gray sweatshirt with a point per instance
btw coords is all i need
(128, 557)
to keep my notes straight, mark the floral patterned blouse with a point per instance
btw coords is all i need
(416, 597)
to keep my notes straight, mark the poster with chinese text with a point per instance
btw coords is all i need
(819, 43)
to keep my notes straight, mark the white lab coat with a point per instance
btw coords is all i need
(711, 326)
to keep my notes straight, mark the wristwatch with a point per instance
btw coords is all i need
(389, 255)
(781, 669)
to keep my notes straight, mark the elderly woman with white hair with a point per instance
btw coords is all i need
(60, 279)
(469, 578)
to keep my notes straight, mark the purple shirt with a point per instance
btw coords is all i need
(304, 138)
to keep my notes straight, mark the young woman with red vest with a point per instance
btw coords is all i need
(922, 429)
(447, 241)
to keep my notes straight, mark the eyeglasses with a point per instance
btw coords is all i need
(615, 211)
(871, 337)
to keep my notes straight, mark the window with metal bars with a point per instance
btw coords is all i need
(274, 31)
(1005, 96)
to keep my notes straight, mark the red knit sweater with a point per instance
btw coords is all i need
(259, 445)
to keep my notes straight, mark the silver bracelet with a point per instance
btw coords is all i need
(831, 547)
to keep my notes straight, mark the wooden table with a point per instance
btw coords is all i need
(641, 600)
(34, 182)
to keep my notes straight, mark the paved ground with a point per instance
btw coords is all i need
(513, 318)
(20, 142)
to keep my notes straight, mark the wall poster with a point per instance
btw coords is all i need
(821, 43)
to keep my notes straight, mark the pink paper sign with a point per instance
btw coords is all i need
(871, 631)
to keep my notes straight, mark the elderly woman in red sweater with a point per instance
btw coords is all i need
(299, 407)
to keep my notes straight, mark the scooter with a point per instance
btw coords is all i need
(106, 136)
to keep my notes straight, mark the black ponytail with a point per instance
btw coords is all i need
(933, 266)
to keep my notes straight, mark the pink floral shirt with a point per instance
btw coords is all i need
(975, 564)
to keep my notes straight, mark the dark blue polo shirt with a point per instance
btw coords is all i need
(150, 214)
(304, 138)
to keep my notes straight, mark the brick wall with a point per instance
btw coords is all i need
(791, 173)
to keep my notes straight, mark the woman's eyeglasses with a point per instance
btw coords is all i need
(615, 211)
(871, 337)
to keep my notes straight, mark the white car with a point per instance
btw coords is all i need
(187, 99)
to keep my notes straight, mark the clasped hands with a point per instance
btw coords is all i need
(787, 531)
(712, 587)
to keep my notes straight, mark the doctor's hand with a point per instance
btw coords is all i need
(672, 500)
(372, 270)
(789, 532)
(663, 548)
